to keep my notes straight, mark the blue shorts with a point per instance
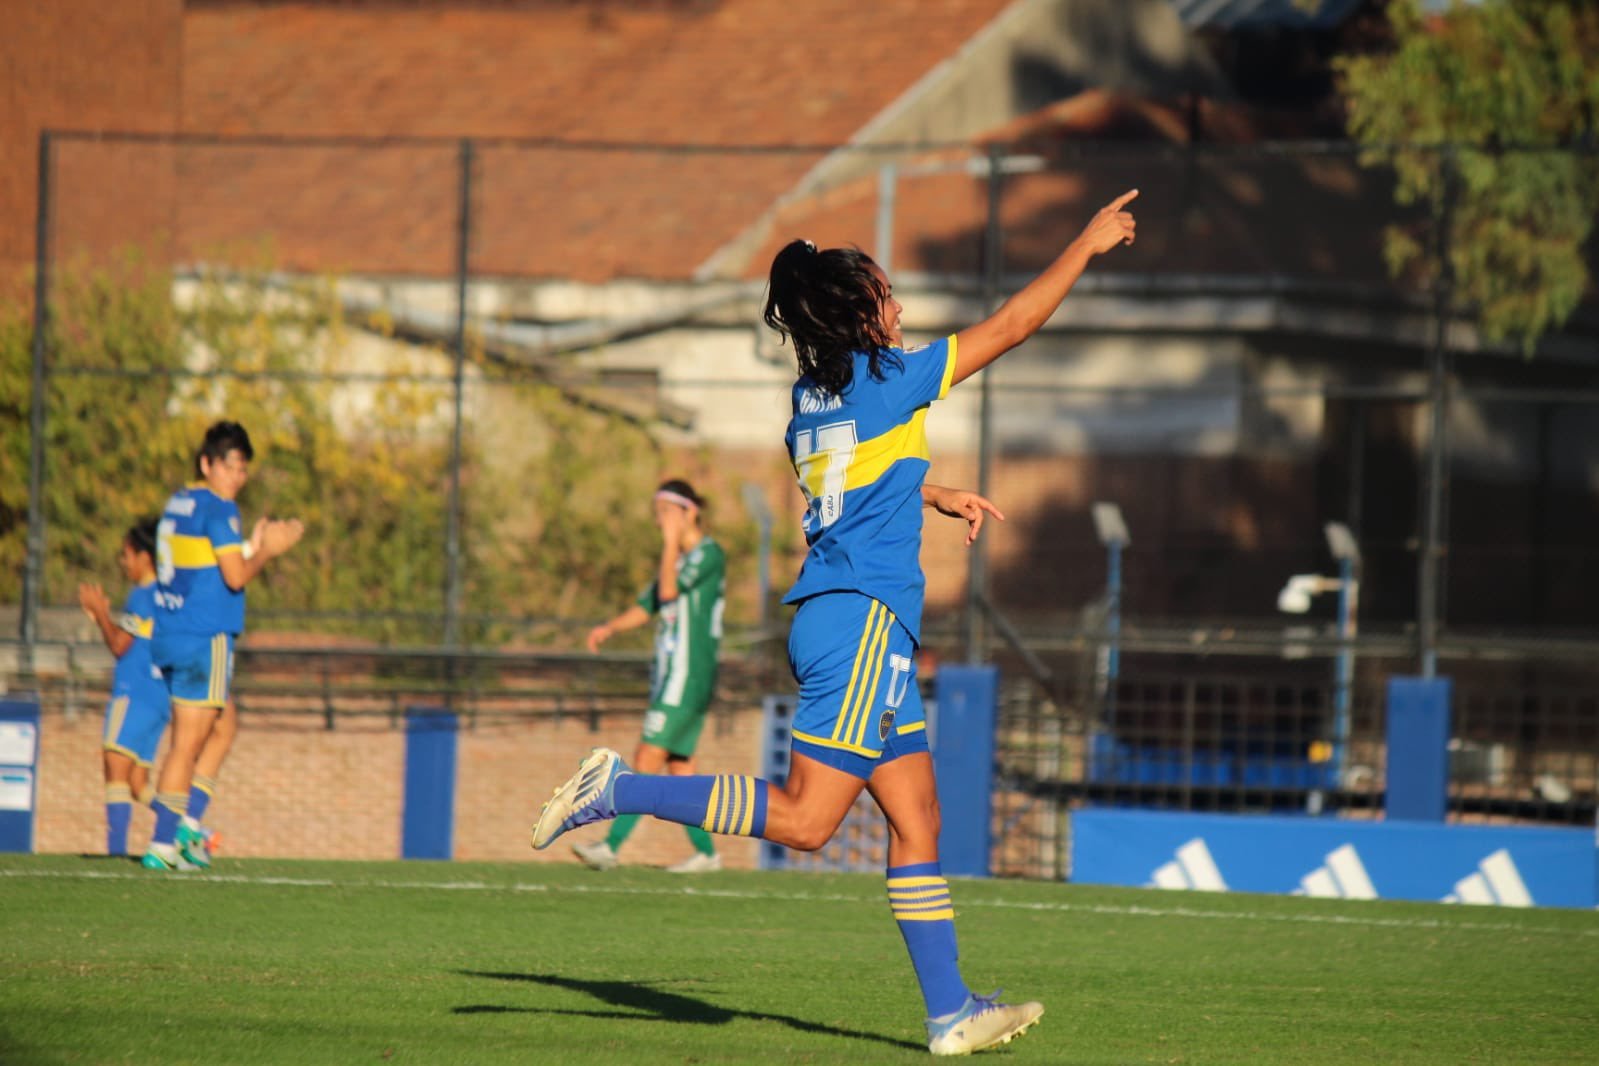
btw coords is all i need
(859, 707)
(134, 722)
(198, 669)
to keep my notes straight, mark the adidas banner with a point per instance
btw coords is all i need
(1510, 867)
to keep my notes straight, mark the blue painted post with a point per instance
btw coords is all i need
(963, 760)
(428, 823)
(19, 768)
(1346, 668)
(1418, 748)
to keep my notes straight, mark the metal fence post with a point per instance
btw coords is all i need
(1428, 592)
(33, 568)
(977, 570)
(452, 540)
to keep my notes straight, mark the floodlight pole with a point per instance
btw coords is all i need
(1429, 578)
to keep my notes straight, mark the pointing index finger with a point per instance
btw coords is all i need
(1130, 194)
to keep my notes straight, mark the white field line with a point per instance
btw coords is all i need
(1128, 911)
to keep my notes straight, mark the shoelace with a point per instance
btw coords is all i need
(986, 1003)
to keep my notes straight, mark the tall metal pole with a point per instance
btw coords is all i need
(1343, 691)
(452, 549)
(1428, 593)
(33, 567)
(977, 572)
(887, 180)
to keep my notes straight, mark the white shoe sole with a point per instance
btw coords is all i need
(994, 1042)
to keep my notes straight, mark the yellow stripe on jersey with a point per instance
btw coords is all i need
(191, 553)
(219, 669)
(872, 457)
(839, 745)
(912, 728)
(949, 370)
(139, 627)
(863, 713)
(113, 726)
(224, 549)
(862, 653)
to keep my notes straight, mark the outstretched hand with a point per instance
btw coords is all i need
(1111, 225)
(963, 503)
(597, 636)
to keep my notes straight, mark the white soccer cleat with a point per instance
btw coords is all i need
(697, 863)
(982, 1023)
(596, 856)
(585, 798)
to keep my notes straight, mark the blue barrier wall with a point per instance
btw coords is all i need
(1418, 749)
(1522, 866)
(19, 768)
(427, 827)
(963, 759)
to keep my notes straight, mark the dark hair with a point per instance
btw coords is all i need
(141, 536)
(682, 488)
(830, 304)
(220, 439)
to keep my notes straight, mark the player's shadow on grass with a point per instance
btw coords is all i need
(644, 1003)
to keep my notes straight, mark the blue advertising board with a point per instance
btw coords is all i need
(1513, 867)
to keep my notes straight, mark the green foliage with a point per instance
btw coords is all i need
(112, 450)
(1510, 84)
(556, 519)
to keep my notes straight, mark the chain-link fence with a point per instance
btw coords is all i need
(465, 363)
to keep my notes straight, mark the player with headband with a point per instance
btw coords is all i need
(686, 597)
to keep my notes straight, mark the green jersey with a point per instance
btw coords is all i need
(689, 629)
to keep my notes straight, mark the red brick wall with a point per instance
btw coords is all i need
(84, 64)
(294, 789)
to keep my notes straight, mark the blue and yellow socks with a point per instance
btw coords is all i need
(201, 790)
(732, 804)
(118, 816)
(919, 896)
(169, 808)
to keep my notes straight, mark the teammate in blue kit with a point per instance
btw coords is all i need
(858, 443)
(137, 713)
(203, 564)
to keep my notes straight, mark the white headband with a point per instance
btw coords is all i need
(678, 498)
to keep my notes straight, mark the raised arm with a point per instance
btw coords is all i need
(270, 539)
(1026, 312)
(97, 606)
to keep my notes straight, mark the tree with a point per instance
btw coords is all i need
(1488, 115)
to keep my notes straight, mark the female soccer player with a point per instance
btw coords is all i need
(859, 448)
(687, 596)
(137, 713)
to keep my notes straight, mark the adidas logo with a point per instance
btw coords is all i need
(1497, 881)
(1193, 868)
(1342, 877)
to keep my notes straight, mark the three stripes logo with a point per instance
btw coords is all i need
(1342, 876)
(1192, 869)
(1497, 881)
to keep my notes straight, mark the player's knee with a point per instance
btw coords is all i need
(810, 837)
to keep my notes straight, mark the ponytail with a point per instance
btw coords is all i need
(830, 304)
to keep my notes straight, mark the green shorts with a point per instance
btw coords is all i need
(677, 729)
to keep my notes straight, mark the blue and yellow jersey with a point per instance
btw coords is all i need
(136, 675)
(196, 527)
(861, 459)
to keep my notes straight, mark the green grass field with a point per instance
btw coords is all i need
(318, 962)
